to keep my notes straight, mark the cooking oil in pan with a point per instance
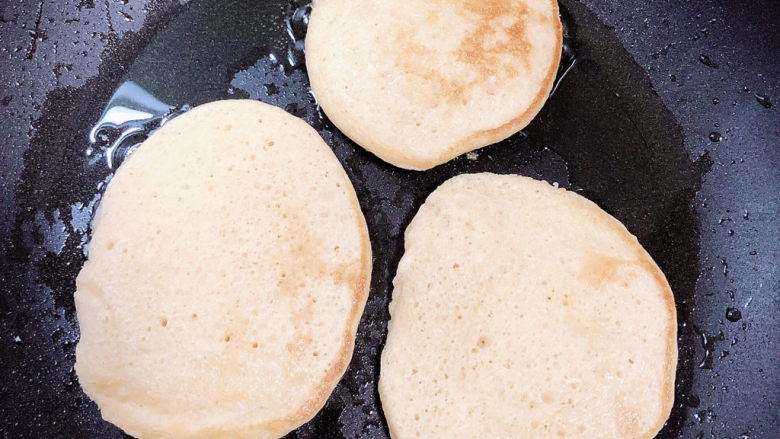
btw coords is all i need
(132, 114)
(296, 24)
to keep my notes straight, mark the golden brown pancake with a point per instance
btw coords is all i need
(419, 82)
(227, 273)
(521, 310)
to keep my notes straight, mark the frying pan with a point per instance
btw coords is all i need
(664, 115)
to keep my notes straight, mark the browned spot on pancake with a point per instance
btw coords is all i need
(302, 250)
(482, 49)
(600, 270)
(627, 416)
(348, 274)
(359, 283)
(493, 48)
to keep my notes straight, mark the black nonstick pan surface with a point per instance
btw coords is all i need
(666, 115)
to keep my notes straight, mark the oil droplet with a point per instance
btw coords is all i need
(296, 25)
(131, 115)
(704, 59)
(703, 416)
(568, 54)
(733, 314)
(715, 136)
(708, 343)
(763, 100)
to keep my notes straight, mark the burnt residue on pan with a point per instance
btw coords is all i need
(605, 133)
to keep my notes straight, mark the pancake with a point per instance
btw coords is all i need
(420, 82)
(228, 270)
(524, 310)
